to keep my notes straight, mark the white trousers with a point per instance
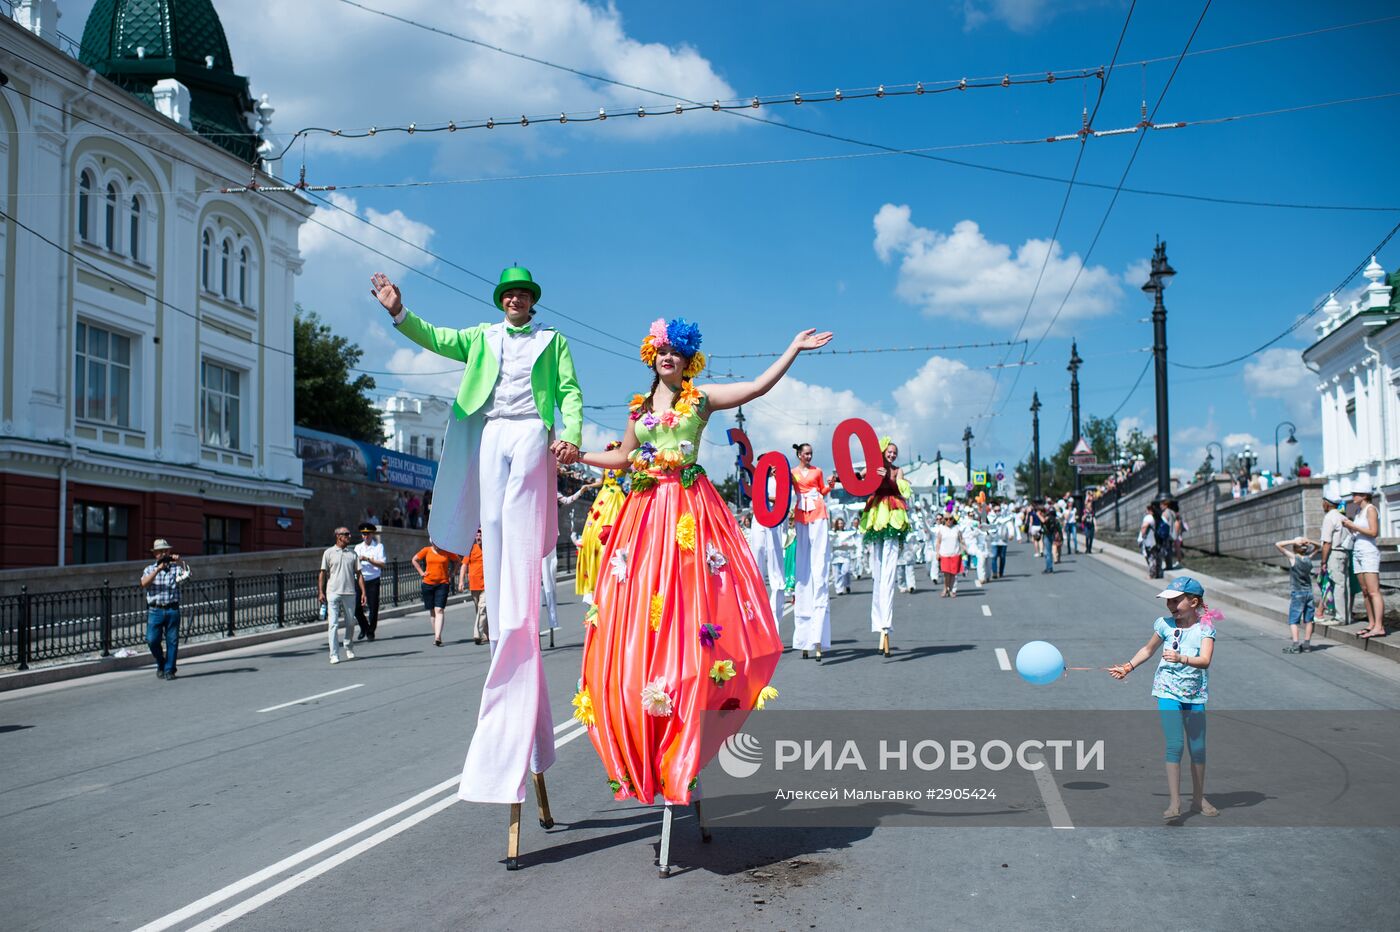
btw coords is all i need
(549, 567)
(982, 560)
(841, 571)
(340, 609)
(768, 554)
(812, 604)
(884, 563)
(514, 728)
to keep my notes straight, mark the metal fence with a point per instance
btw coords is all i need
(38, 626)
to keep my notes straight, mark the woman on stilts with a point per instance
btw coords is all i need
(680, 623)
(812, 606)
(596, 529)
(884, 524)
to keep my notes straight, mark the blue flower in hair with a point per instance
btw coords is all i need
(683, 336)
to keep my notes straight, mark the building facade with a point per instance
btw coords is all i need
(1357, 361)
(146, 350)
(416, 424)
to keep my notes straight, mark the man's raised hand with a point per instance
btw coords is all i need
(387, 293)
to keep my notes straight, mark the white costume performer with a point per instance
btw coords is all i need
(811, 603)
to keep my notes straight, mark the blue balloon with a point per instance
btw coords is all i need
(1039, 662)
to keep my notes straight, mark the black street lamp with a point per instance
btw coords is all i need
(1247, 460)
(967, 449)
(1074, 363)
(738, 465)
(1035, 445)
(1156, 283)
(1221, 465)
(938, 495)
(1292, 438)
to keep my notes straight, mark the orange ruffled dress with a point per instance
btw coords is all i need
(680, 624)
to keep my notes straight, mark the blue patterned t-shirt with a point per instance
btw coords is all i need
(1177, 680)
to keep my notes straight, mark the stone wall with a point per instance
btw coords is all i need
(1249, 526)
(1199, 510)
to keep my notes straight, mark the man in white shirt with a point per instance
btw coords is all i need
(371, 555)
(1336, 559)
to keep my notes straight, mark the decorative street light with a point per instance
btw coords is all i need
(1248, 459)
(938, 493)
(1074, 363)
(1156, 283)
(1292, 438)
(967, 449)
(1035, 444)
(738, 465)
(1219, 465)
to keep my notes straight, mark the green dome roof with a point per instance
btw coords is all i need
(136, 43)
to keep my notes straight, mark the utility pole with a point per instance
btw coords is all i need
(967, 451)
(1074, 363)
(1157, 282)
(938, 496)
(739, 469)
(1035, 444)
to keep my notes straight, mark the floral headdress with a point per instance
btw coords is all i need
(680, 334)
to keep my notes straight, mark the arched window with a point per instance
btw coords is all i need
(85, 206)
(133, 242)
(243, 276)
(109, 221)
(223, 268)
(206, 260)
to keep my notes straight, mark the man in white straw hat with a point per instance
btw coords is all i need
(1336, 558)
(161, 580)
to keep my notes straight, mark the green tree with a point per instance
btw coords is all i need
(728, 488)
(326, 397)
(1138, 445)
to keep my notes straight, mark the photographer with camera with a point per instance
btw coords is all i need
(161, 580)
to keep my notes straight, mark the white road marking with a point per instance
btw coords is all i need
(987, 610)
(274, 708)
(566, 723)
(1050, 794)
(306, 854)
(239, 910)
(1003, 661)
(560, 742)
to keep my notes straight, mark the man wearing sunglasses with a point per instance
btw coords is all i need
(339, 585)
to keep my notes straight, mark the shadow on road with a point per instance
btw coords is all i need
(190, 676)
(897, 653)
(5, 728)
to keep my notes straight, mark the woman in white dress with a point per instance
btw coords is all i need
(811, 603)
(1366, 556)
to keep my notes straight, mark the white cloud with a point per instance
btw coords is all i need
(1238, 441)
(324, 241)
(1137, 272)
(422, 372)
(1279, 373)
(596, 438)
(1021, 16)
(1128, 424)
(962, 274)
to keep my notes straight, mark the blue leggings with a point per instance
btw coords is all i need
(1178, 717)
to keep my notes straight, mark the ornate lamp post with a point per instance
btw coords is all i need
(1035, 445)
(938, 494)
(1074, 363)
(1292, 439)
(967, 450)
(1156, 283)
(738, 469)
(1218, 465)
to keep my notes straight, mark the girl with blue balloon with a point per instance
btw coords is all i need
(1180, 685)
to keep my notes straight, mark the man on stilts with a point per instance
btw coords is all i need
(500, 448)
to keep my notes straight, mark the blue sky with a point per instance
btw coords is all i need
(887, 250)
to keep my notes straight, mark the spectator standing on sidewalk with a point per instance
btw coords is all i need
(1071, 524)
(1336, 559)
(1301, 608)
(372, 561)
(1090, 525)
(161, 580)
(340, 585)
(1366, 555)
(1167, 517)
(472, 578)
(434, 566)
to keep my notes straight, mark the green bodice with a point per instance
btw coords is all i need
(669, 440)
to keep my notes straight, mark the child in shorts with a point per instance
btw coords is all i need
(1301, 606)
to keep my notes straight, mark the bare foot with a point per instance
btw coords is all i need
(1204, 808)
(1172, 812)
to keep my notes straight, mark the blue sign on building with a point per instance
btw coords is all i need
(335, 455)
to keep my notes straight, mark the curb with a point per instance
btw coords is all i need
(1268, 606)
(58, 672)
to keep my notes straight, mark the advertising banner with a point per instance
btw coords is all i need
(333, 455)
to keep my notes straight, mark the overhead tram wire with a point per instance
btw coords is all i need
(1303, 318)
(869, 350)
(1137, 147)
(133, 108)
(1064, 203)
(1147, 365)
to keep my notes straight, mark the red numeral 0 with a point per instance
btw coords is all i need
(775, 464)
(841, 456)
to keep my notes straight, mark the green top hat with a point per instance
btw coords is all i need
(516, 277)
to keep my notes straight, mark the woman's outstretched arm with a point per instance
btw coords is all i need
(733, 394)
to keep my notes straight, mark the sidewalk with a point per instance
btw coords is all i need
(1247, 595)
(140, 657)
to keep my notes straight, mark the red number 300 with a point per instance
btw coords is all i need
(773, 464)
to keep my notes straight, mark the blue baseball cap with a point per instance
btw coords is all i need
(1182, 585)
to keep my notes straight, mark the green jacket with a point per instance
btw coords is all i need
(552, 378)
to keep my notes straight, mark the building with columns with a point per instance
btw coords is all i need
(416, 424)
(1357, 361)
(146, 349)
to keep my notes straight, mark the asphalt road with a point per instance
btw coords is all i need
(268, 790)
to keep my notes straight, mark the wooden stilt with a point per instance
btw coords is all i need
(542, 798)
(663, 861)
(513, 839)
(885, 643)
(819, 655)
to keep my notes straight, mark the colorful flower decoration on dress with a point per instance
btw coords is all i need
(618, 564)
(709, 633)
(722, 671)
(765, 695)
(680, 334)
(658, 602)
(715, 560)
(655, 700)
(590, 617)
(668, 459)
(685, 531)
(583, 708)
